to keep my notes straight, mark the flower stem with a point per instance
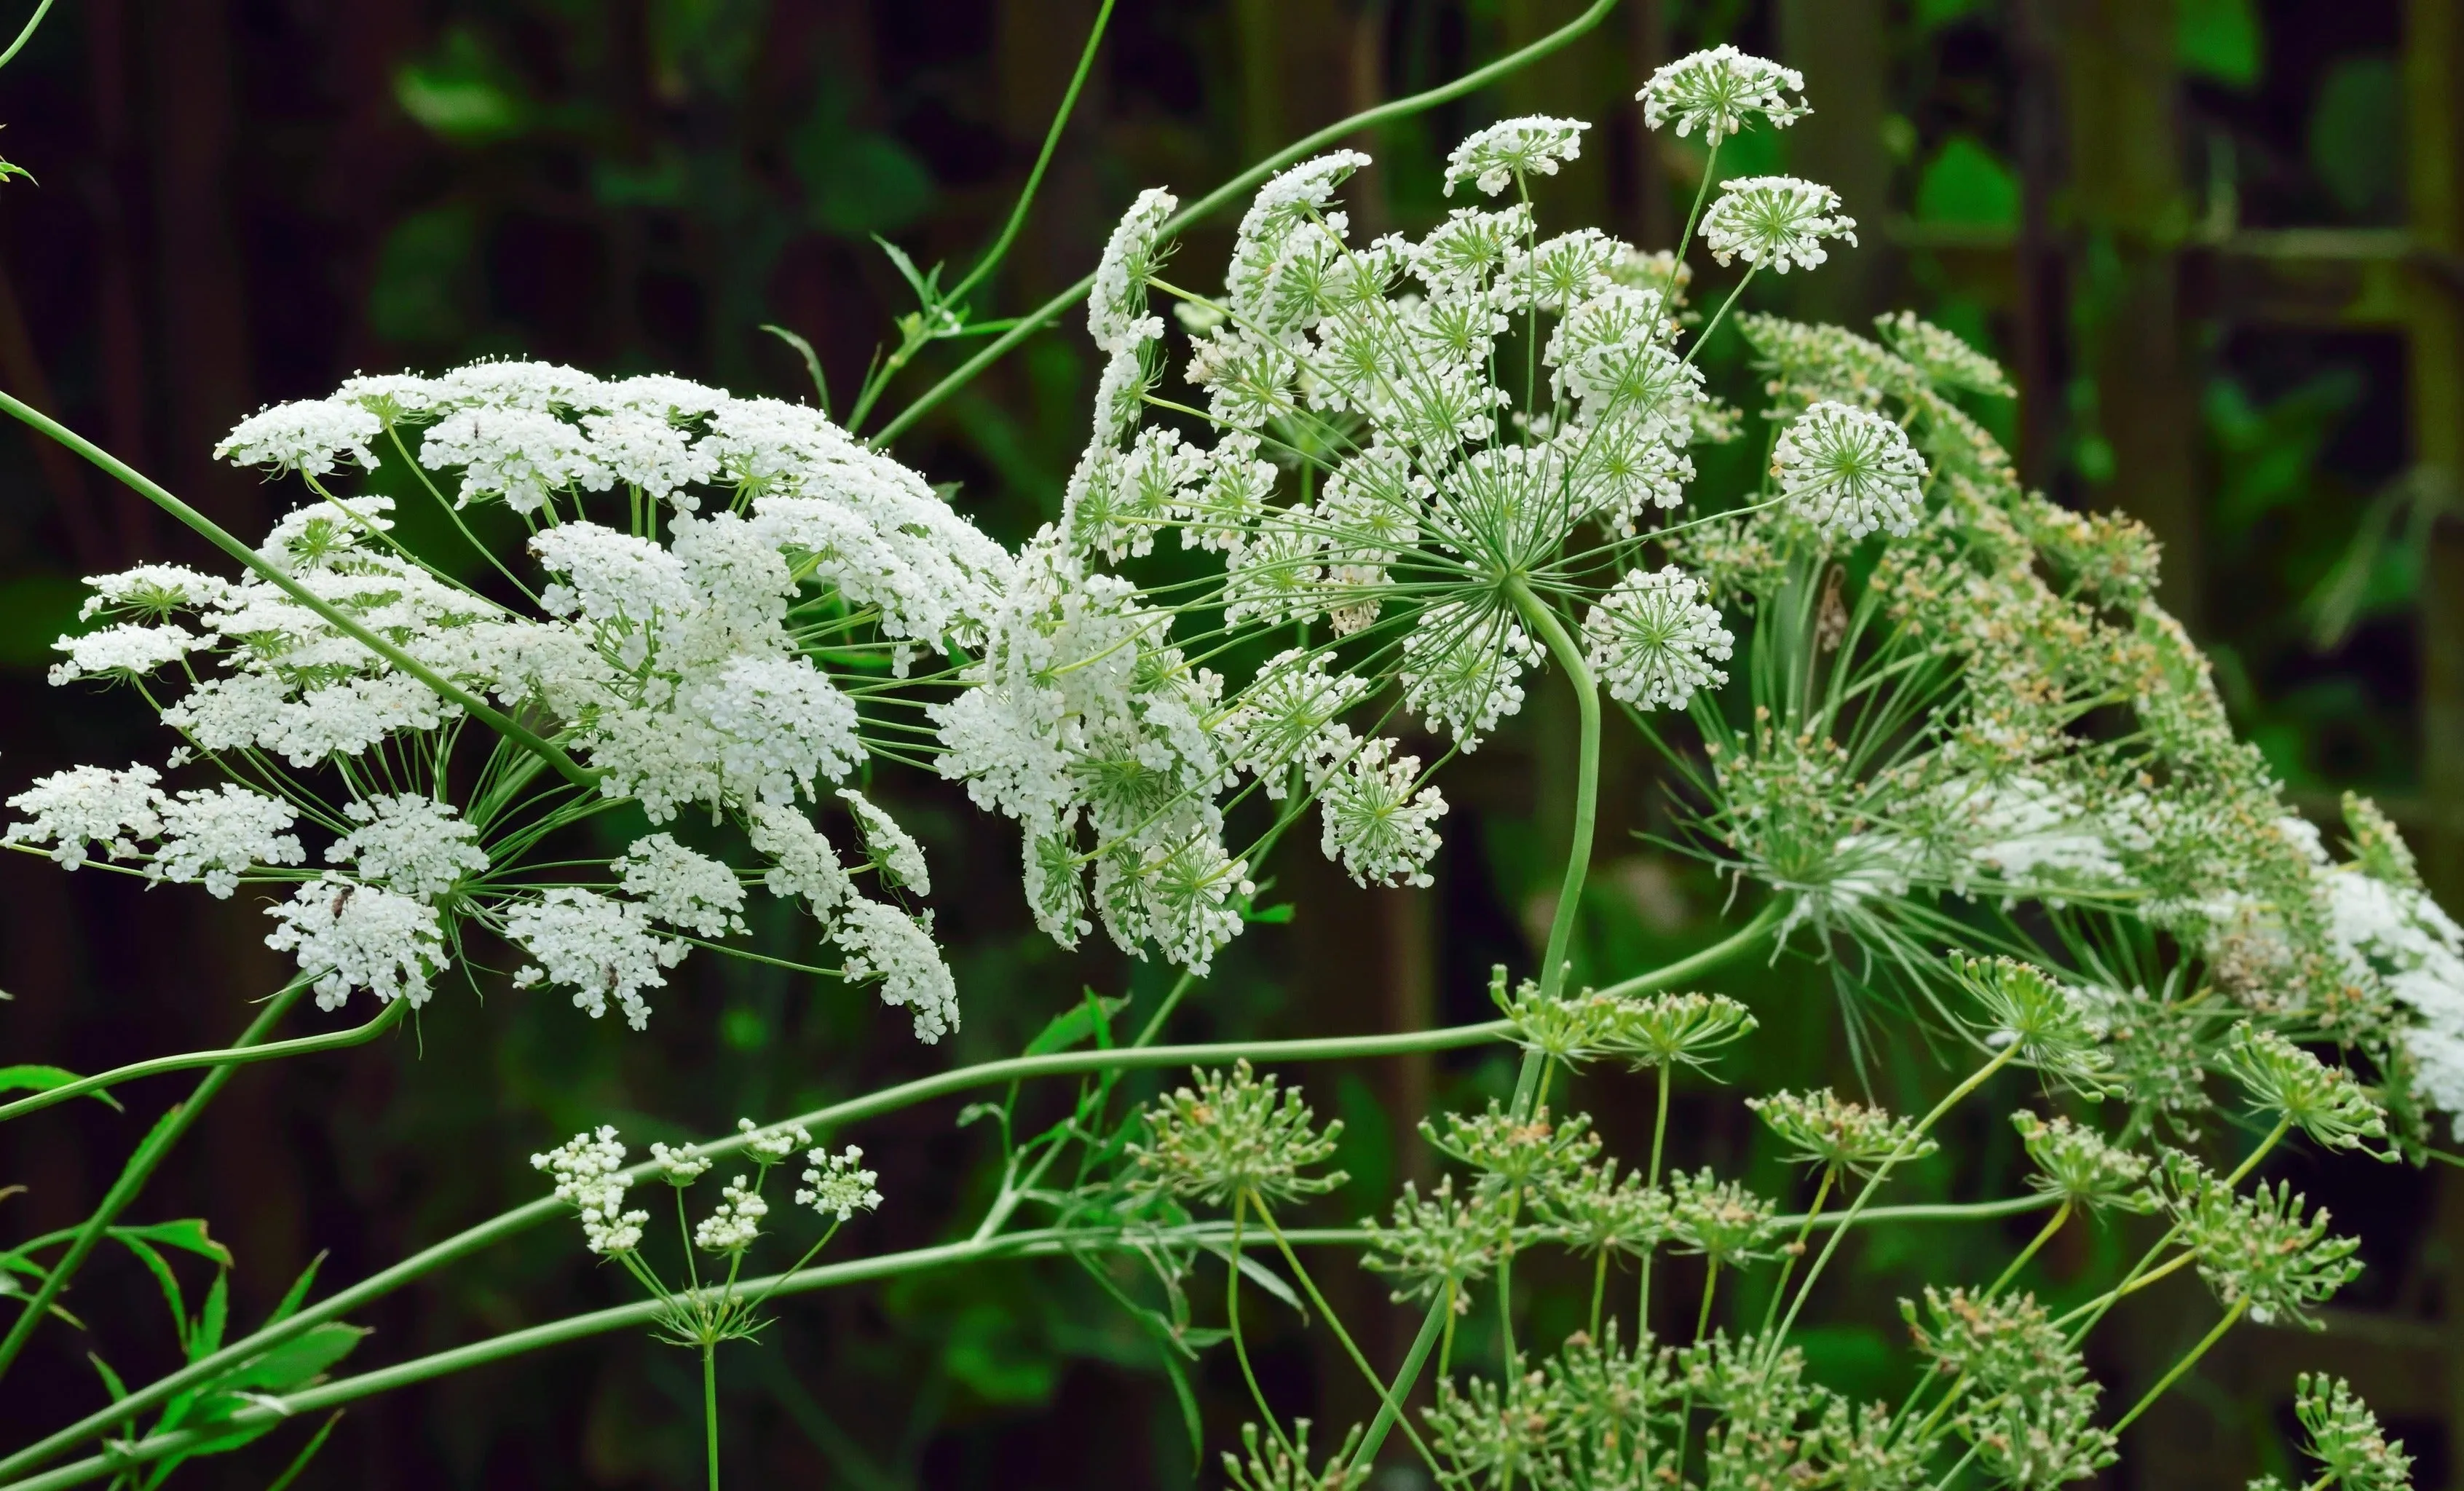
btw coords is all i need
(2044, 1234)
(1231, 190)
(2149, 1398)
(150, 1153)
(710, 1407)
(1308, 1286)
(1586, 784)
(1805, 1229)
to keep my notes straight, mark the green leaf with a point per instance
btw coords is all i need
(300, 1462)
(1189, 1416)
(172, 1297)
(812, 361)
(463, 93)
(35, 1078)
(2356, 135)
(291, 1365)
(2218, 40)
(188, 1235)
(1274, 915)
(1965, 184)
(1074, 1024)
(298, 1294)
(207, 1337)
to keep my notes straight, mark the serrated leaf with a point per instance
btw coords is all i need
(1074, 1024)
(172, 1297)
(207, 1337)
(187, 1234)
(35, 1077)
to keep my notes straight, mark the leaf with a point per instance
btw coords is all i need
(1074, 1024)
(1274, 915)
(462, 92)
(300, 1462)
(171, 1296)
(297, 1293)
(1965, 184)
(1262, 1276)
(36, 1078)
(2218, 40)
(1189, 1418)
(207, 1337)
(812, 361)
(188, 1235)
(291, 1365)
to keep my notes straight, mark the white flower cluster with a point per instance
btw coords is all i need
(734, 1223)
(588, 1172)
(1719, 91)
(770, 1146)
(838, 1186)
(1515, 149)
(1653, 639)
(1777, 222)
(1850, 472)
(1379, 820)
(697, 633)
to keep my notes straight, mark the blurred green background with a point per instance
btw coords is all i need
(2219, 242)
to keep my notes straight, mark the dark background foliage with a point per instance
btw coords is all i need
(2192, 227)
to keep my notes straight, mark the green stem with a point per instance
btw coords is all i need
(214, 533)
(1719, 315)
(1232, 1320)
(2095, 1310)
(710, 1408)
(1310, 1286)
(1231, 190)
(2147, 1399)
(1882, 1173)
(1796, 1250)
(1600, 1290)
(1587, 783)
(141, 1166)
(27, 34)
(1651, 1178)
(1755, 928)
(2044, 1234)
(231, 1056)
(1702, 194)
(1710, 1286)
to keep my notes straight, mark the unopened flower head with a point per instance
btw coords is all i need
(1942, 355)
(2344, 1437)
(1719, 91)
(1283, 1464)
(2265, 1251)
(1235, 1135)
(2020, 1005)
(1518, 1150)
(1440, 1244)
(680, 1166)
(1662, 1030)
(1774, 221)
(1718, 1219)
(2324, 1102)
(2079, 1166)
(1822, 1130)
(1594, 1209)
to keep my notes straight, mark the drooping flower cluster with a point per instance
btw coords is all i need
(723, 602)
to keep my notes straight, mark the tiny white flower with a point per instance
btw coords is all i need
(356, 936)
(309, 436)
(681, 1166)
(410, 843)
(1116, 310)
(1850, 472)
(892, 848)
(88, 806)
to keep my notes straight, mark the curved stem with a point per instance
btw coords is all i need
(167, 1131)
(1214, 201)
(1042, 159)
(27, 34)
(1586, 784)
(1755, 928)
(215, 534)
(230, 1055)
(1232, 1320)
